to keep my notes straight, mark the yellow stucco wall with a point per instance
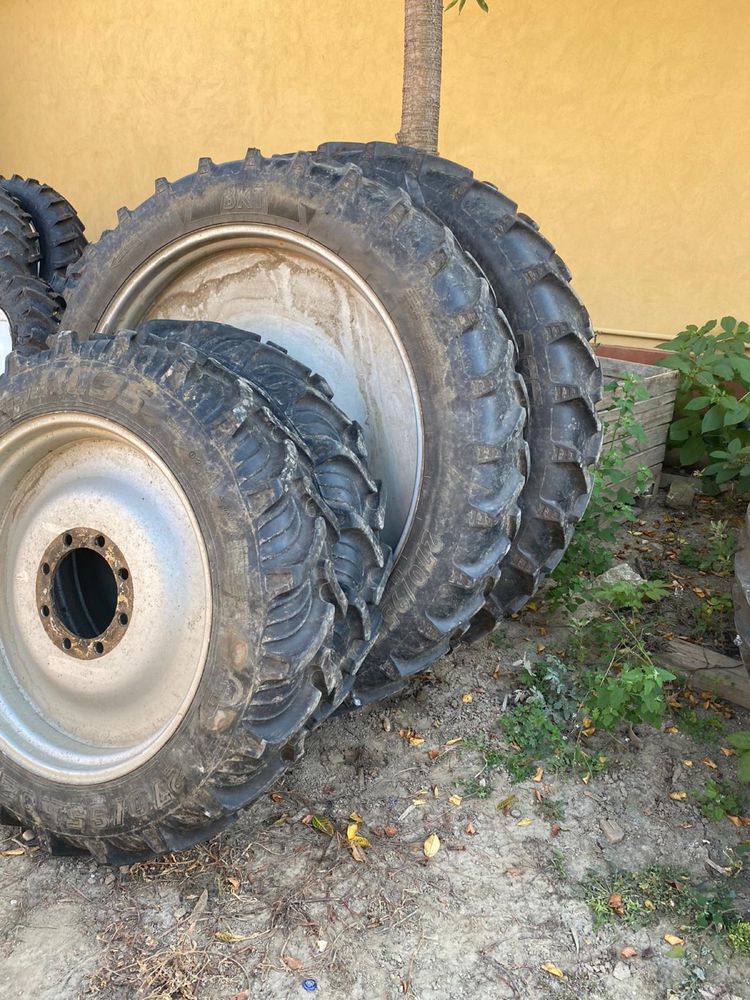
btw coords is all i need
(622, 126)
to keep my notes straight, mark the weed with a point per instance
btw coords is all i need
(719, 800)
(702, 728)
(475, 788)
(558, 864)
(551, 810)
(643, 897)
(741, 742)
(715, 557)
(739, 937)
(713, 615)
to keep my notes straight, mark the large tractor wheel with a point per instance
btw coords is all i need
(19, 244)
(31, 309)
(553, 333)
(354, 281)
(741, 592)
(60, 231)
(167, 596)
(339, 459)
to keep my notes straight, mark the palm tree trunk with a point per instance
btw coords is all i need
(423, 52)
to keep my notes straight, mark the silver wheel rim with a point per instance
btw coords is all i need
(103, 705)
(294, 291)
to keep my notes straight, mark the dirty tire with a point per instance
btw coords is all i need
(267, 537)
(553, 333)
(19, 244)
(339, 459)
(60, 231)
(33, 310)
(741, 591)
(460, 351)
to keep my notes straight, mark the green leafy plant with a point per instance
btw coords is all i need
(482, 4)
(710, 422)
(741, 742)
(706, 729)
(718, 800)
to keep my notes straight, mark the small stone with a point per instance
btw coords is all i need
(619, 573)
(27, 835)
(335, 757)
(612, 830)
(681, 495)
(109, 880)
(386, 724)
(678, 775)
(621, 971)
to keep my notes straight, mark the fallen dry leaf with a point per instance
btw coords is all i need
(431, 846)
(15, 852)
(467, 699)
(735, 820)
(294, 964)
(470, 829)
(433, 754)
(628, 952)
(452, 743)
(553, 970)
(277, 796)
(555, 829)
(355, 817)
(526, 821)
(671, 729)
(455, 800)
(709, 763)
(687, 763)
(673, 939)
(728, 751)
(323, 825)
(616, 904)
(538, 774)
(357, 852)
(506, 803)
(229, 938)
(513, 872)
(678, 796)
(390, 831)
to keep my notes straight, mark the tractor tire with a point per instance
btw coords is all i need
(32, 309)
(741, 592)
(61, 239)
(158, 519)
(339, 460)
(437, 387)
(553, 333)
(19, 244)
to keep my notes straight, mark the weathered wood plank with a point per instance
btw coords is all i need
(708, 670)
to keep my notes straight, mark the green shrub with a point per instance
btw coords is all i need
(709, 421)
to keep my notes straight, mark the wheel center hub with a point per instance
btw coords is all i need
(84, 593)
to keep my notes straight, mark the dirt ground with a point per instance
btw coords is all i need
(277, 908)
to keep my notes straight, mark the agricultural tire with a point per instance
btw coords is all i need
(459, 349)
(339, 459)
(32, 309)
(145, 482)
(553, 333)
(19, 244)
(741, 591)
(60, 230)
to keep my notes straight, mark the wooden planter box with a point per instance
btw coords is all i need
(654, 413)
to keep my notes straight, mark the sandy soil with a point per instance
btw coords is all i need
(275, 902)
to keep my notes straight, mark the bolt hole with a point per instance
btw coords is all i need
(67, 643)
(98, 647)
(45, 569)
(45, 611)
(100, 541)
(123, 619)
(123, 574)
(68, 539)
